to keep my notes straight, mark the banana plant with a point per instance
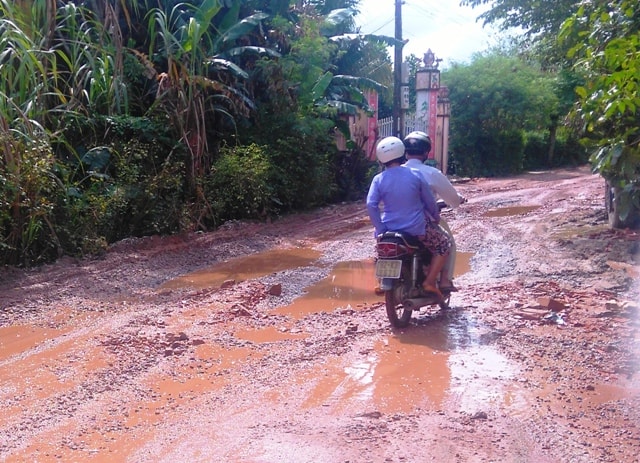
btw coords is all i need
(201, 80)
(344, 93)
(339, 94)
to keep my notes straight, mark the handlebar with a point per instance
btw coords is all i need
(442, 205)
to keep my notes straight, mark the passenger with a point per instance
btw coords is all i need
(417, 147)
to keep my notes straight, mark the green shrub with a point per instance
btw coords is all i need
(239, 186)
(536, 150)
(569, 151)
(300, 172)
(351, 175)
(28, 190)
(122, 177)
(508, 156)
(301, 150)
(491, 154)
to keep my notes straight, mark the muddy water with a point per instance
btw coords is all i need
(245, 268)
(429, 366)
(348, 285)
(16, 339)
(441, 356)
(510, 211)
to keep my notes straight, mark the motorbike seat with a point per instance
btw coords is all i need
(408, 239)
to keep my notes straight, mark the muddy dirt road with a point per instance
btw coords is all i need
(264, 343)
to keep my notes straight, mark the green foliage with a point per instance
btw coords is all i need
(537, 23)
(567, 150)
(239, 186)
(123, 178)
(495, 100)
(308, 61)
(27, 192)
(300, 174)
(533, 16)
(536, 147)
(606, 40)
(112, 114)
(27, 187)
(351, 175)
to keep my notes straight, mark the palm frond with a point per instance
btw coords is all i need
(346, 40)
(219, 64)
(239, 30)
(239, 51)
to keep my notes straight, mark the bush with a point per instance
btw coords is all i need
(536, 150)
(351, 175)
(239, 185)
(567, 151)
(28, 191)
(492, 154)
(122, 177)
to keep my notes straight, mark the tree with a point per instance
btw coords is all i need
(606, 39)
(494, 101)
(534, 17)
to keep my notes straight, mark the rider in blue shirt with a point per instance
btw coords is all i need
(407, 203)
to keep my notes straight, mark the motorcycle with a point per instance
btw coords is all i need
(401, 265)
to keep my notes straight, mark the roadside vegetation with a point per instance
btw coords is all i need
(582, 61)
(131, 118)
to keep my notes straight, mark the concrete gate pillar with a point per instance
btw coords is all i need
(433, 109)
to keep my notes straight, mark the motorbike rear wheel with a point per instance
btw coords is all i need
(398, 314)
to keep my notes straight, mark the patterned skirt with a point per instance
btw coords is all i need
(436, 239)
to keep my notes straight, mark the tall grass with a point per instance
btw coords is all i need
(26, 158)
(64, 66)
(52, 62)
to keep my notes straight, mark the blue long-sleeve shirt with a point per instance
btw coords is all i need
(405, 197)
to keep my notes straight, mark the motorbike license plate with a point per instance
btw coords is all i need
(387, 268)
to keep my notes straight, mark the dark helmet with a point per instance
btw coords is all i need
(417, 143)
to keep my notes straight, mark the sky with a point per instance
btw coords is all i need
(450, 30)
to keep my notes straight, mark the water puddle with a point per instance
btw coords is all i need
(440, 360)
(463, 263)
(437, 361)
(245, 268)
(424, 367)
(510, 211)
(350, 284)
(19, 338)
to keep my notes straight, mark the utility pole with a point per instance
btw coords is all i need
(397, 72)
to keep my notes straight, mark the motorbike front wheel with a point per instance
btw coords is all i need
(398, 314)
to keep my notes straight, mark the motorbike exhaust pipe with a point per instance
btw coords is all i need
(418, 302)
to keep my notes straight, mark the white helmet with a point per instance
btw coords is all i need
(389, 148)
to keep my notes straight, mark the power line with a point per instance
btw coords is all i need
(383, 25)
(433, 12)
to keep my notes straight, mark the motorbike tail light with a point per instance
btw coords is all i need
(387, 250)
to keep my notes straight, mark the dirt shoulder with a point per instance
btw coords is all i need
(217, 347)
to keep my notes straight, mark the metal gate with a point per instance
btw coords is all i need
(411, 123)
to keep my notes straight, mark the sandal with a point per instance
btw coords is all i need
(449, 289)
(432, 289)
